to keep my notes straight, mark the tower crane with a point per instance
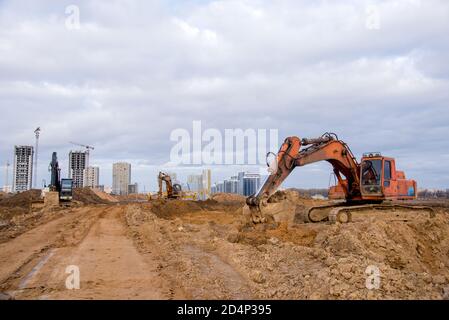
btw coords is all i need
(88, 148)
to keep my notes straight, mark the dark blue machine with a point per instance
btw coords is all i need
(63, 186)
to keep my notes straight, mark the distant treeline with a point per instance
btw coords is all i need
(433, 194)
(308, 193)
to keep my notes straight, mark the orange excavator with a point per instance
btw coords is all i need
(174, 191)
(363, 185)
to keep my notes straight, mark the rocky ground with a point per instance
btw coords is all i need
(204, 250)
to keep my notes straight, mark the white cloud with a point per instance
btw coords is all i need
(136, 70)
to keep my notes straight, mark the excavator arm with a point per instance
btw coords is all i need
(326, 148)
(55, 183)
(174, 191)
(163, 177)
(285, 163)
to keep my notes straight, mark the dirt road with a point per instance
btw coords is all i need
(93, 239)
(194, 250)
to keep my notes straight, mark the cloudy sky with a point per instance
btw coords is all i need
(375, 72)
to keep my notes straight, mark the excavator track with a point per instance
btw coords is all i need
(342, 213)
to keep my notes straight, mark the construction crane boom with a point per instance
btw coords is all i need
(82, 145)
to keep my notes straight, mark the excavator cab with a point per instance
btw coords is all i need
(371, 175)
(380, 179)
(177, 191)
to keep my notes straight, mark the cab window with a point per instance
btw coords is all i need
(387, 170)
(371, 172)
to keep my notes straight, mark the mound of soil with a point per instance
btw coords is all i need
(334, 261)
(23, 199)
(171, 209)
(131, 198)
(227, 206)
(301, 235)
(291, 195)
(104, 195)
(228, 197)
(88, 196)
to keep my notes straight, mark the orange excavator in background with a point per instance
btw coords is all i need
(363, 185)
(174, 191)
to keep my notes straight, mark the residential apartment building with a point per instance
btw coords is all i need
(78, 162)
(92, 177)
(23, 168)
(121, 178)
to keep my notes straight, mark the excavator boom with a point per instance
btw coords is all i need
(55, 183)
(327, 148)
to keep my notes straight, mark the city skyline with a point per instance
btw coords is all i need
(149, 174)
(244, 183)
(146, 178)
(322, 70)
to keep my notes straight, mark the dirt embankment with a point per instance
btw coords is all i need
(172, 209)
(3, 195)
(132, 198)
(88, 196)
(104, 195)
(209, 249)
(228, 197)
(16, 216)
(23, 199)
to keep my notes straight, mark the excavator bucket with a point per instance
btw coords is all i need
(268, 213)
(253, 214)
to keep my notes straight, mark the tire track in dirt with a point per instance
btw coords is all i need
(189, 264)
(109, 264)
(17, 255)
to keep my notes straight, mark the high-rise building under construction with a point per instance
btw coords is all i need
(23, 168)
(78, 162)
